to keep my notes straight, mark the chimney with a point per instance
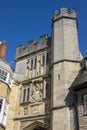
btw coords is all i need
(2, 49)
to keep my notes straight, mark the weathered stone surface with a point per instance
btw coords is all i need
(50, 103)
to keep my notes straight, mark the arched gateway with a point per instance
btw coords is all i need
(36, 126)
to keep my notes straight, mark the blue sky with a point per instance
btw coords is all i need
(24, 20)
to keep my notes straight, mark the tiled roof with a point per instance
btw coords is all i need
(81, 81)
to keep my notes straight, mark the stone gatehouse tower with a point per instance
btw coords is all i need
(40, 94)
(65, 65)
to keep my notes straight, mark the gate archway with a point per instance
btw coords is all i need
(36, 126)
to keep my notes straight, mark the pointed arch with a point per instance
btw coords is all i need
(37, 126)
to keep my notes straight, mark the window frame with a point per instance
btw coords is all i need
(7, 77)
(47, 58)
(1, 104)
(47, 90)
(35, 62)
(25, 94)
(84, 105)
(4, 111)
(32, 62)
(43, 59)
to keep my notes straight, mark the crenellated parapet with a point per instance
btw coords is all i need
(33, 46)
(64, 12)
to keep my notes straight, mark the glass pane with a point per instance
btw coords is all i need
(43, 59)
(1, 101)
(5, 113)
(85, 104)
(3, 75)
(6, 74)
(47, 90)
(24, 95)
(35, 62)
(47, 58)
(2, 72)
(28, 90)
(31, 63)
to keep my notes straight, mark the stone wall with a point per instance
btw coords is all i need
(13, 106)
(82, 118)
(65, 65)
(33, 46)
(5, 90)
(23, 66)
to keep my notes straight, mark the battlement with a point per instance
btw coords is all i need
(64, 12)
(33, 46)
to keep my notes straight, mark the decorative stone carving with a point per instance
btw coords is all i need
(35, 109)
(25, 111)
(21, 111)
(36, 94)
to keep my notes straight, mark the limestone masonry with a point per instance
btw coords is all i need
(48, 89)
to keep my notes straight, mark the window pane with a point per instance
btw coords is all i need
(47, 90)
(47, 58)
(24, 95)
(6, 74)
(35, 62)
(2, 72)
(28, 94)
(85, 107)
(31, 63)
(5, 113)
(85, 104)
(3, 75)
(1, 101)
(43, 59)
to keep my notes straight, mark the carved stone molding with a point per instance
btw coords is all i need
(36, 109)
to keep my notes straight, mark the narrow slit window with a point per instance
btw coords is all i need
(32, 64)
(28, 90)
(35, 62)
(47, 58)
(43, 59)
(58, 76)
(24, 95)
